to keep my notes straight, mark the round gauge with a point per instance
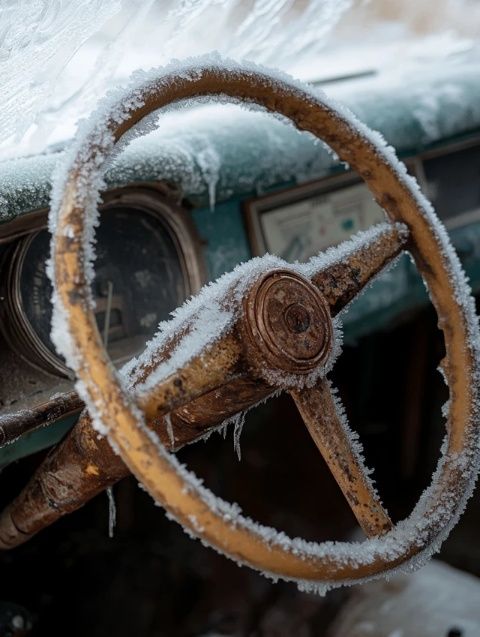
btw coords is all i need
(140, 277)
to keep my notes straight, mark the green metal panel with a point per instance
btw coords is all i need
(223, 233)
(37, 440)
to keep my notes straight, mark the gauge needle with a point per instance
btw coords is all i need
(108, 311)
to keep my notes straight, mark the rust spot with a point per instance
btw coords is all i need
(351, 497)
(389, 202)
(297, 318)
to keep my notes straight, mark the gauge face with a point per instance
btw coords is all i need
(139, 280)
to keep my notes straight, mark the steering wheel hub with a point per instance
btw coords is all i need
(288, 324)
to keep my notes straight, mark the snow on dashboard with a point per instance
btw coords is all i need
(89, 155)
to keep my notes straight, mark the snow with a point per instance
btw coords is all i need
(430, 603)
(193, 147)
(211, 317)
(266, 153)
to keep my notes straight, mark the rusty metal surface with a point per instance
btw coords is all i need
(287, 325)
(320, 414)
(46, 413)
(84, 464)
(341, 282)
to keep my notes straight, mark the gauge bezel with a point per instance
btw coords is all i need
(158, 200)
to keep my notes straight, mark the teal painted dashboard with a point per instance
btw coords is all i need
(221, 156)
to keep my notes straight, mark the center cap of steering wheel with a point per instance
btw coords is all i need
(288, 323)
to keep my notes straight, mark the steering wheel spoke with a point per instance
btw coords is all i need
(212, 368)
(352, 265)
(323, 415)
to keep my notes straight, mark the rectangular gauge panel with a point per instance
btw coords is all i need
(301, 222)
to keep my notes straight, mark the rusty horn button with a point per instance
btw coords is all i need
(288, 323)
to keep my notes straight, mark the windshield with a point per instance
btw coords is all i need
(57, 58)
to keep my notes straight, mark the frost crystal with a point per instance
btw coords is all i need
(37, 41)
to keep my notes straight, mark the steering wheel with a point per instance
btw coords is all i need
(273, 326)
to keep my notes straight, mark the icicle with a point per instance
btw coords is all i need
(223, 429)
(171, 435)
(112, 512)
(209, 163)
(237, 432)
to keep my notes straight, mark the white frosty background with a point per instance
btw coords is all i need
(58, 57)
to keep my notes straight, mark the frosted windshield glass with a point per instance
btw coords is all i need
(57, 58)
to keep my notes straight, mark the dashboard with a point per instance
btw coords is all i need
(157, 244)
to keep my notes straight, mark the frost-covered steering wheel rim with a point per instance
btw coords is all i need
(79, 341)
